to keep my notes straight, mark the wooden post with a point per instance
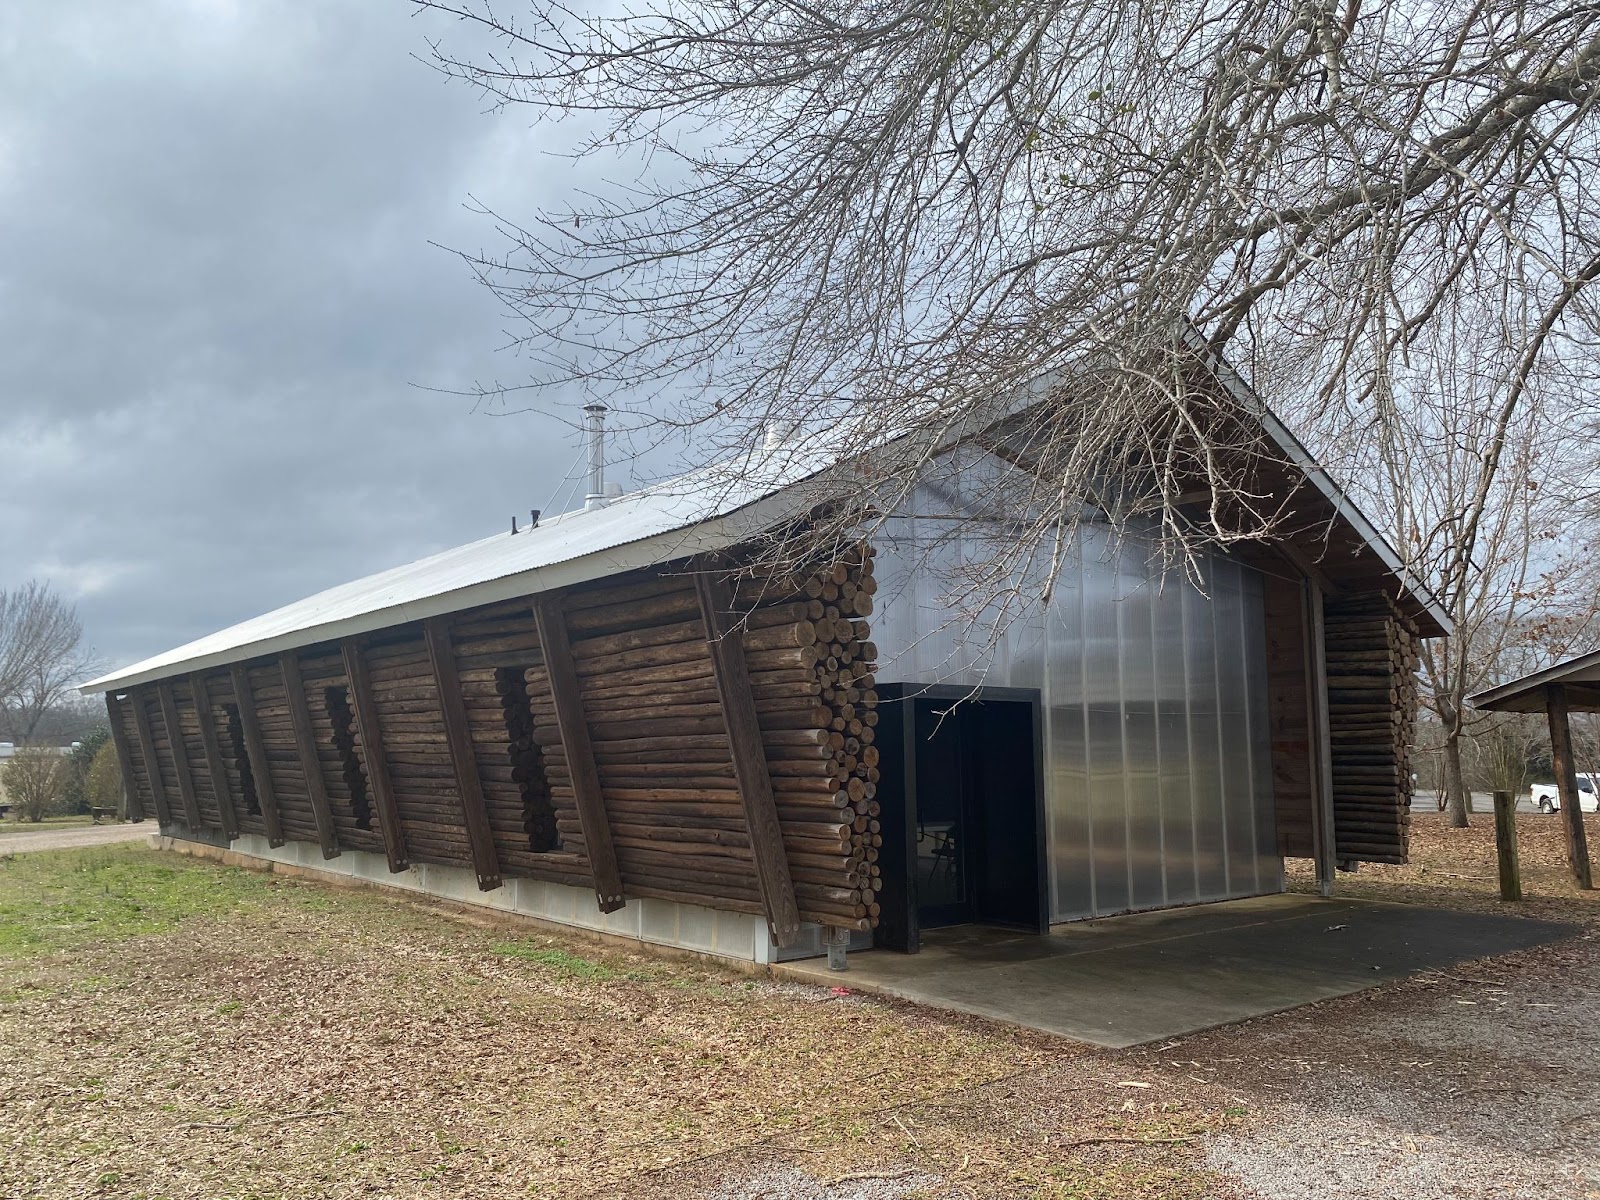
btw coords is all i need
(1505, 844)
(1319, 739)
(377, 759)
(1555, 698)
(214, 764)
(574, 729)
(305, 738)
(732, 677)
(152, 765)
(255, 750)
(119, 738)
(458, 734)
(180, 754)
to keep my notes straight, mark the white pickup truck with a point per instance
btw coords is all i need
(1548, 800)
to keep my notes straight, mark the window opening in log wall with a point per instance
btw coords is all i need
(527, 761)
(343, 719)
(241, 759)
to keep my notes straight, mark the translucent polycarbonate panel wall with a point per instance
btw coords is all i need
(1158, 785)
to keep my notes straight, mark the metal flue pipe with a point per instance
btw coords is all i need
(594, 426)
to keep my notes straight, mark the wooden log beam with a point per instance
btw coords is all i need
(305, 739)
(749, 757)
(255, 749)
(562, 677)
(215, 767)
(119, 738)
(1505, 844)
(1323, 823)
(377, 758)
(180, 754)
(147, 749)
(1555, 699)
(458, 736)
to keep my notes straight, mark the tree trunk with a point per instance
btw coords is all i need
(1456, 796)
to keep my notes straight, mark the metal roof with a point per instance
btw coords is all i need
(710, 509)
(1579, 678)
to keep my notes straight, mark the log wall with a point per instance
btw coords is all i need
(671, 811)
(1372, 709)
(283, 755)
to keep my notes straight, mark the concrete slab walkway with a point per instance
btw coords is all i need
(1123, 981)
(67, 839)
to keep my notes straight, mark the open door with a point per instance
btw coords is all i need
(962, 811)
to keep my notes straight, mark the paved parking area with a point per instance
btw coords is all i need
(1124, 981)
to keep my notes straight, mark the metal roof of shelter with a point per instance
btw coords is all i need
(1578, 677)
(710, 509)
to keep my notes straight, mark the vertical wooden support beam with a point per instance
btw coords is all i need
(152, 766)
(1555, 699)
(574, 730)
(305, 739)
(376, 757)
(119, 739)
(180, 754)
(214, 764)
(1319, 739)
(1505, 844)
(458, 736)
(732, 676)
(255, 749)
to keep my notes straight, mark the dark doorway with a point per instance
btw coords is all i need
(962, 810)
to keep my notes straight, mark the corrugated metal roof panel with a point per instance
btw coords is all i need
(708, 509)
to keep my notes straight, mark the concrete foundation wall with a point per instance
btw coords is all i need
(731, 935)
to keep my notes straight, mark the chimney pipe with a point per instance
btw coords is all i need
(594, 425)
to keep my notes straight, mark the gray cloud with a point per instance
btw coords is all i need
(217, 295)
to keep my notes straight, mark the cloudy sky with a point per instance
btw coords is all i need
(220, 308)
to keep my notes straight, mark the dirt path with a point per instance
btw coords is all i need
(67, 839)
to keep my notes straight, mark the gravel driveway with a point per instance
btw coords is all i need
(66, 839)
(1468, 1083)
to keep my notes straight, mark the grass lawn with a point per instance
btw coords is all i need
(11, 825)
(172, 1027)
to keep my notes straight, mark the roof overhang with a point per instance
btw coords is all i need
(1578, 678)
(1410, 592)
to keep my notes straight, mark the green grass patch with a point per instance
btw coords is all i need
(62, 899)
(12, 825)
(560, 961)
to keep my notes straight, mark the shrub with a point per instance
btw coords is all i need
(102, 786)
(35, 780)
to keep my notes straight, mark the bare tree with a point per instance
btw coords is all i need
(841, 218)
(35, 779)
(1484, 502)
(41, 656)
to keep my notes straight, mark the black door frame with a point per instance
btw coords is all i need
(898, 925)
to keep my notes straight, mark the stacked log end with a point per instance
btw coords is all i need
(1372, 709)
(343, 739)
(835, 860)
(525, 760)
(493, 646)
(238, 759)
